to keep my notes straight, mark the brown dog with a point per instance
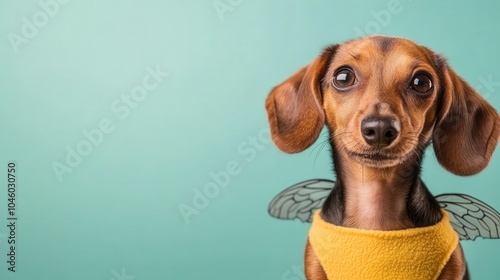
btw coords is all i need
(384, 100)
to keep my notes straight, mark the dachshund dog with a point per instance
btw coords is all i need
(384, 100)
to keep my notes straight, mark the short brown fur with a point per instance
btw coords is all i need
(379, 188)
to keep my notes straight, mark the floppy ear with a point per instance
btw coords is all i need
(295, 107)
(467, 127)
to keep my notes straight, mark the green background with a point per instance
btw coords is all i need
(117, 212)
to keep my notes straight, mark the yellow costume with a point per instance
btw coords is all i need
(410, 254)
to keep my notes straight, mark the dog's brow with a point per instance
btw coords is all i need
(422, 58)
(418, 61)
(355, 56)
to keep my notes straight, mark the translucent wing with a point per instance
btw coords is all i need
(470, 217)
(301, 200)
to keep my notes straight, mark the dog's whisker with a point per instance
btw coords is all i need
(322, 146)
(318, 146)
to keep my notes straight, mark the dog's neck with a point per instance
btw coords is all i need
(374, 200)
(379, 199)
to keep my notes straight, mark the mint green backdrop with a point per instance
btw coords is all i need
(111, 150)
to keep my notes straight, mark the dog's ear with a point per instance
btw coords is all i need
(467, 127)
(295, 107)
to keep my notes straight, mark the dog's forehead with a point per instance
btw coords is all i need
(375, 48)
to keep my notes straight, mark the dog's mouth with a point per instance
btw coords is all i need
(373, 156)
(377, 158)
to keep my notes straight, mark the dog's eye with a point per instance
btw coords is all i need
(344, 78)
(421, 83)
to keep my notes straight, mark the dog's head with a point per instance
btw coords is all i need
(383, 99)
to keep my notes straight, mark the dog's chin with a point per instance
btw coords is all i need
(377, 159)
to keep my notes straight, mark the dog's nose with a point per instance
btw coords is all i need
(379, 132)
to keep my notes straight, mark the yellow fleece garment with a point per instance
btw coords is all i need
(409, 254)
